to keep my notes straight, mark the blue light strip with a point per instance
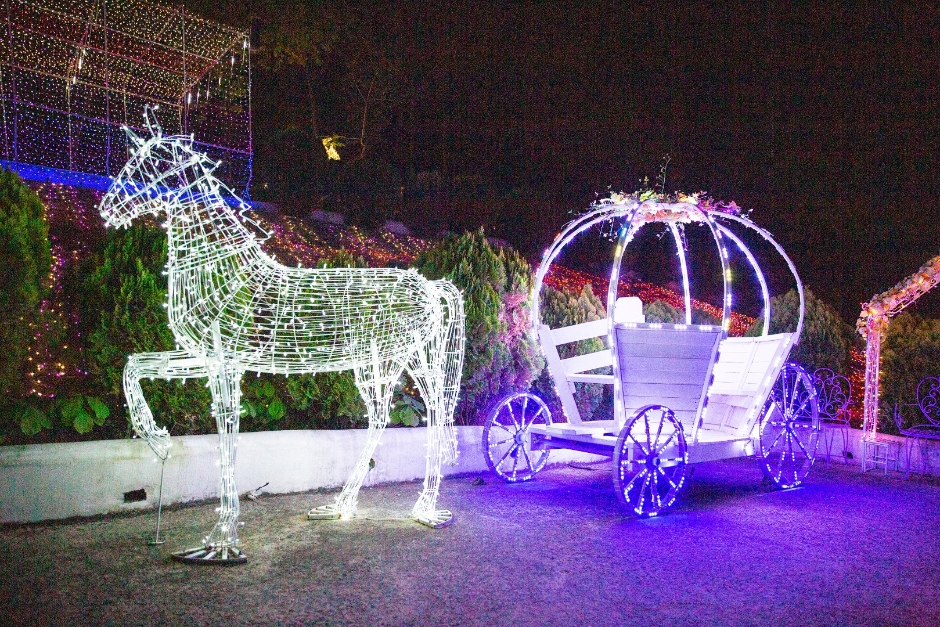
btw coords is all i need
(46, 174)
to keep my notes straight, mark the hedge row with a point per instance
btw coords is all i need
(121, 290)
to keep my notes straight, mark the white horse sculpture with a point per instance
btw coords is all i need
(232, 309)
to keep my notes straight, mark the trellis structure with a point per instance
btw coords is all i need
(872, 323)
(72, 72)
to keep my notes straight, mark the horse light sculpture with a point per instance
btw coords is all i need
(232, 309)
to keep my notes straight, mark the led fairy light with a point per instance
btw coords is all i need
(233, 309)
(73, 70)
(649, 442)
(684, 268)
(765, 294)
(872, 322)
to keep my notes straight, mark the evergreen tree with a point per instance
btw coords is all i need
(500, 353)
(25, 263)
(826, 339)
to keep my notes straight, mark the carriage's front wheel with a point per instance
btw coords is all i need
(789, 428)
(507, 438)
(650, 460)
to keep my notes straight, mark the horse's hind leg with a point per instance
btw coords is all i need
(376, 385)
(221, 545)
(436, 368)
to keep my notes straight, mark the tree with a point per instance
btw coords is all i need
(826, 338)
(25, 264)
(500, 355)
(124, 299)
(910, 351)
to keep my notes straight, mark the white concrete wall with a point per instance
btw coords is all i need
(898, 448)
(54, 481)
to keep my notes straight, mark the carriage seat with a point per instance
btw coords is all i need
(583, 368)
(743, 374)
(666, 364)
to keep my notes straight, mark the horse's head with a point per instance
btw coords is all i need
(151, 179)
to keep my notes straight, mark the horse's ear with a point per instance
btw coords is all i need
(134, 137)
(150, 120)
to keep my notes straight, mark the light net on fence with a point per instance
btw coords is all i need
(73, 71)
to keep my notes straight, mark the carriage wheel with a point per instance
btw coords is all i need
(650, 460)
(507, 444)
(789, 428)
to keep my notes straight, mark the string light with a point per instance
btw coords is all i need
(232, 309)
(872, 323)
(73, 73)
(646, 480)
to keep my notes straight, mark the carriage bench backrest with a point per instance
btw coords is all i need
(666, 364)
(576, 369)
(746, 368)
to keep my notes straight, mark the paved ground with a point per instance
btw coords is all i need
(847, 549)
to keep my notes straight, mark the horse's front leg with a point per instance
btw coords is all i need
(165, 365)
(221, 545)
(376, 385)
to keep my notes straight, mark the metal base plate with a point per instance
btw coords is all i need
(226, 556)
(324, 512)
(437, 519)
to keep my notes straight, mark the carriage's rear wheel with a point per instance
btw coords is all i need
(507, 442)
(789, 428)
(650, 460)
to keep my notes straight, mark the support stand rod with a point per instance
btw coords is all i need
(156, 537)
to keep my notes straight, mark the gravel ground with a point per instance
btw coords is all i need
(846, 549)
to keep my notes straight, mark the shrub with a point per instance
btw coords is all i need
(826, 339)
(661, 311)
(910, 351)
(25, 263)
(123, 307)
(560, 309)
(500, 356)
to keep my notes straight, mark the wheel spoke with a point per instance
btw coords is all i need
(512, 415)
(532, 422)
(800, 444)
(675, 434)
(671, 459)
(659, 430)
(799, 410)
(503, 458)
(794, 394)
(642, 495)
(501, 442)
(525, 405)
(629, 486)
(668, 478)
(527, 460)
(776, 439)
(501, 426)
(646, 453)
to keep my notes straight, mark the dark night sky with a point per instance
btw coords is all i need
(820, 118)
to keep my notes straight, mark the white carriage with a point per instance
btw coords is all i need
(683, 393)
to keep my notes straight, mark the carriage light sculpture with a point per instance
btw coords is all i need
(233, 309)
(683, 393)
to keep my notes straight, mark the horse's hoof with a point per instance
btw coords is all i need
(437, 519)
(225, 556)
(324, 512)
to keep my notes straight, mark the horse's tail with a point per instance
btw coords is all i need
(452, 359)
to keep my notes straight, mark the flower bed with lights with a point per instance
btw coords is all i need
(77, 352)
